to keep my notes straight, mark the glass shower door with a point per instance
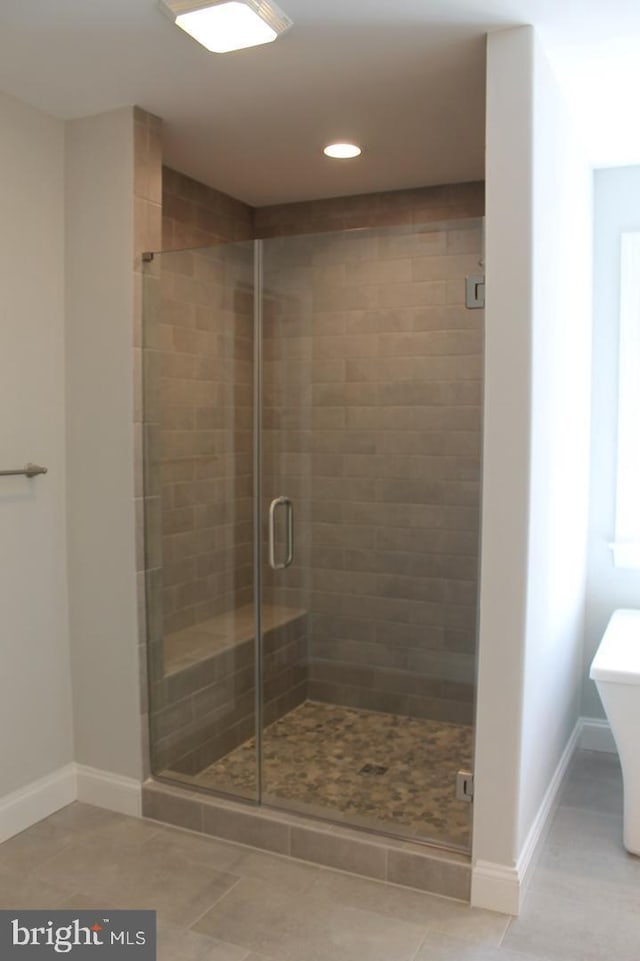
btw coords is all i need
(316, 448)
(199, 516)
(372, 381)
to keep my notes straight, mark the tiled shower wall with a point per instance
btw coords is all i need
(205, 418)
(205, 402)
(194, 215)
(373, 373)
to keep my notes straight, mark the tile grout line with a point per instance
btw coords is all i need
(421, 945)
(216, 902)
(82, 840)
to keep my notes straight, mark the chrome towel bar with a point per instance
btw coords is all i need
(29, 470)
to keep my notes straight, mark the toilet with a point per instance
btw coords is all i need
(616, 671)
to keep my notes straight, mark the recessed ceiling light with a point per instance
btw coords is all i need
(342, 151)
(224, 25)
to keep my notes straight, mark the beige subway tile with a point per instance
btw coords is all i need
(328, 418)
(413, 294)
(455, 266)
(431, 343)
(411, 243)
(147, 227)
(451, 317)
(347, 298)
(465, 239)
(381, 271)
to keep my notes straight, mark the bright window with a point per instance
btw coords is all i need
(626, 547)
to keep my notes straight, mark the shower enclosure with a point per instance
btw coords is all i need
(312, 469)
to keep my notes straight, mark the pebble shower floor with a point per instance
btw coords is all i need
(386, 770)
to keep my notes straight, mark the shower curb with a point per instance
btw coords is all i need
(381, 858)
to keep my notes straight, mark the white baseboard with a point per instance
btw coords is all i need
(542, 821)
(111, 791)
(495, 887)
(501, 887)
(36, 801)
(597, 736)
(75, 782)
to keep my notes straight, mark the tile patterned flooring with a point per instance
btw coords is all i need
(219, 901)
(314, 758)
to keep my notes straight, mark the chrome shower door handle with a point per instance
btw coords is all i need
(275, 504)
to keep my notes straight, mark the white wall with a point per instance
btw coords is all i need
(35, 700)
(617, 208)
(101, 523)
(562, 204)
(507, 415)
(538, 238)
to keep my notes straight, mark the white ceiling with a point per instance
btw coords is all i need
(405, 78)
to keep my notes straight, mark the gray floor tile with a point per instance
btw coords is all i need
(198, 849)
(142, 876)
(245, 905)
(594, 833)
(268, 919)
(176, 944)
(236, 859)
(285, 872)
(592, 883)
(19, 890)
(594, 783)
(69, 825)
(598, 765)
(83, 902)
(179, 897)
(565, 930)
(483, 927)
(442, 947)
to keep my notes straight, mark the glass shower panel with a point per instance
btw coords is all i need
(198, 374)
(372, 370)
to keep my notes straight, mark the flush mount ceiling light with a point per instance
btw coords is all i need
(342, 151)
(224, 25)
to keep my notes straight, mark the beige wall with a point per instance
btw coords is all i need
(100, 441)
(35, 696)
(70, 535)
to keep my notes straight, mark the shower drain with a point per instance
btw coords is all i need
(374, 769)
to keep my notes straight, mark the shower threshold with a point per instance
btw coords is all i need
(355, 851)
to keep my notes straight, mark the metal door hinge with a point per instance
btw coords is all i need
(475, 292)
(464, 786)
